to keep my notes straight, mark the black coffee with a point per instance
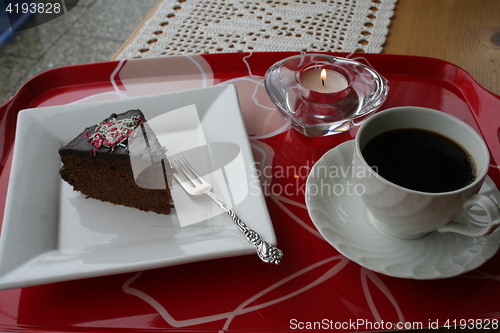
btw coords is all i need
(420, 160)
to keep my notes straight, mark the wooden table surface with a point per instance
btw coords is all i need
(463, 32)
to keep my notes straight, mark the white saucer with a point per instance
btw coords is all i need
(342, 219)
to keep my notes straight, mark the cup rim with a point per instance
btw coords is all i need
(481, 173)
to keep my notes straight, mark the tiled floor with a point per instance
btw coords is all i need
(91, 32)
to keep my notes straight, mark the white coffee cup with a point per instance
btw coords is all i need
(406, 213)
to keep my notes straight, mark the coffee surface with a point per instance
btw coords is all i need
(420, 160)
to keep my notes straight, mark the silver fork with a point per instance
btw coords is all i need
(195, 184)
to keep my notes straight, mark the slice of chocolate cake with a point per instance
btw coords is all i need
(97, 163)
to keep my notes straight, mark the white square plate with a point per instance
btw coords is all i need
(51, 233)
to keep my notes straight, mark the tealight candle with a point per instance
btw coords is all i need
(321, 105)
(324, 81)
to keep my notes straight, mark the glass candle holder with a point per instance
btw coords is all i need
(322, 95)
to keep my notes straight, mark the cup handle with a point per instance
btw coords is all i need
(492, 211)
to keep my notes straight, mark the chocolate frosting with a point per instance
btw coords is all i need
(80, 145)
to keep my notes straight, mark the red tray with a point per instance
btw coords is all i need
(314, 287)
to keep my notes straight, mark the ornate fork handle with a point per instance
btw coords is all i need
(267, 252)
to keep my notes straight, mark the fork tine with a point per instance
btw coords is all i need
(198, 176)
(184, 171)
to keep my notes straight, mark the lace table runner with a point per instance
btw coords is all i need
(221, 26)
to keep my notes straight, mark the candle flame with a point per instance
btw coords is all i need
(323, 74)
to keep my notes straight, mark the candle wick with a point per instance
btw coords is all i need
(322, 82)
